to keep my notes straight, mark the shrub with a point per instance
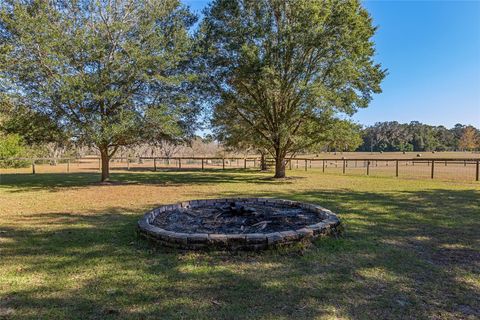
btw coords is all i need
(11, 146)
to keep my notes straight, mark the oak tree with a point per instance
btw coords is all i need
(283, 68)
(113, 71)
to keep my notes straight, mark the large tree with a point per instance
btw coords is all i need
(282, 68)
(113, 72)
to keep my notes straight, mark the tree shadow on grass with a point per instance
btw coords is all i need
(58, 181)
(418, 236)
(64, 265)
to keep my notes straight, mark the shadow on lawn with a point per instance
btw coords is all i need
(55, 181)
(94, 266)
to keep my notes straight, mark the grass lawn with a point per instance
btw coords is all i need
(68, 249)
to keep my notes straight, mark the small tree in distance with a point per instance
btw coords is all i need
(343, 135)
(469, 140)
(113, 72)
(281, 70)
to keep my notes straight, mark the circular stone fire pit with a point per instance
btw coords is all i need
(237, 224)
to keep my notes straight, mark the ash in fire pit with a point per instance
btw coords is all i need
(236, 217)
(237, 223)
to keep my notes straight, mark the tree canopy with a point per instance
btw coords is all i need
(113, 72)
(283, 69)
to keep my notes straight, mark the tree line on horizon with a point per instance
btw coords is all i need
(416, 136)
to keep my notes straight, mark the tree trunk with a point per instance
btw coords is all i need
(105, 164)
(279, 167)
(263, 162)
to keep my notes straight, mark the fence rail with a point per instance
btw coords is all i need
(442, 168)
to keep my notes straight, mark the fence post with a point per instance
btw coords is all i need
(344, 163)
(223, 163)
(154, 164)
(68, 165)
(33, 166)
(297, 164)
(396, 168)
(202, 164)
(478, 170)
(310, 164)
(323, 166)
(305, 164)
(254, 163)
(368, 167)
(245, 163)
(128, 164)
(433, 168)
(179, 163)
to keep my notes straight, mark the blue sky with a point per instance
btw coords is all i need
(432, 52)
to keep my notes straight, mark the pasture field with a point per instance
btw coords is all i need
(394, 155)
(69, 250)
(462, 169)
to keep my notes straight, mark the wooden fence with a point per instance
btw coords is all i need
(468, 167)
(446, 168)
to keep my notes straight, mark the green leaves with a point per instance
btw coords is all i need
(11, 146)
(279, 68)
(99, 66)
(416, 136)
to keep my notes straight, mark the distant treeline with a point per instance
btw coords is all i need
(416, 136)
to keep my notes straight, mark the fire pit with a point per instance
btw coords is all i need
(237, 224)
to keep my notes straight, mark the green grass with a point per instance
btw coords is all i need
(68, 249)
